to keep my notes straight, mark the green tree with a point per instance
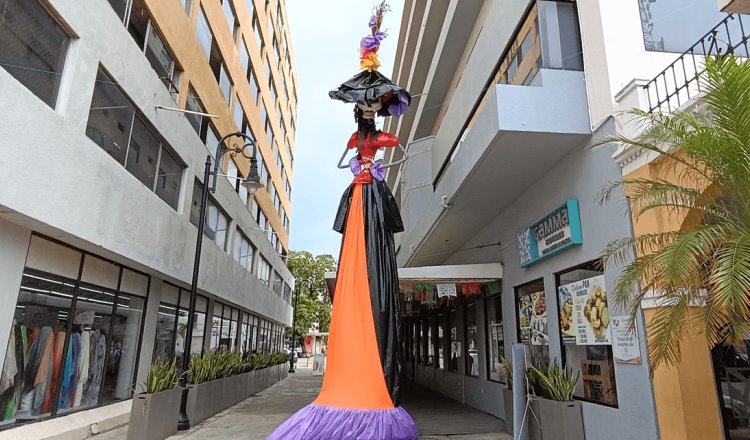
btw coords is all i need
(701, 272)
(313, 301)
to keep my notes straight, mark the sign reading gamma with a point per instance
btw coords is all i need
(553, 234)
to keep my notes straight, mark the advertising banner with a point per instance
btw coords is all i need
(551, 235)
(591, 311)
(532, 318)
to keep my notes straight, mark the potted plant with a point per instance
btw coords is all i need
(154, 412)
(508, 394)
(558, 413)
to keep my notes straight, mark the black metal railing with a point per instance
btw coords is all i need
(680, 82)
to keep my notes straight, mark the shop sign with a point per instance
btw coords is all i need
(555, 233)
(590, 311)
(625, 346)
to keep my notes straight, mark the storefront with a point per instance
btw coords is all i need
(82, 325)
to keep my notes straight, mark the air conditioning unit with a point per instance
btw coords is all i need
(735, 6)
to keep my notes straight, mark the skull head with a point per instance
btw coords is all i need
(369, 110)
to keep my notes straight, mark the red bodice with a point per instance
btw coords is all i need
(371, 145)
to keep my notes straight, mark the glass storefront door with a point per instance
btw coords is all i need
(732, 369)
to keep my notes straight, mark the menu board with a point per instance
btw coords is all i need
(532, 318)
(591, 311)
(625, 346)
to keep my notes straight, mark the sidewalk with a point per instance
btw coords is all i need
(437, 418)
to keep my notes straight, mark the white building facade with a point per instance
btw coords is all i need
(98, 212)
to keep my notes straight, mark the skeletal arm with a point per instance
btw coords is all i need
(400, 161)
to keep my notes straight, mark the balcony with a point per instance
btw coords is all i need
(680, 84)
(735, 6)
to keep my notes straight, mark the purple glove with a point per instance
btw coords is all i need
(355, 166)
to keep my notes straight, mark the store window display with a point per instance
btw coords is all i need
(496, 342)
(531, 309)
(585, 329)
(472, 340)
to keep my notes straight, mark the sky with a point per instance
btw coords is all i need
(325, 38)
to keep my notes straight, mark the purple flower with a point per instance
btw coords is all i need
(401, 106)
(355, 166)
(369, 43)
(373, 21)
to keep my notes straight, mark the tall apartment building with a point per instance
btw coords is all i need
(110, 111)
(508, 98)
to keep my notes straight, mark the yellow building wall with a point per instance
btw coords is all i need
(687, 406)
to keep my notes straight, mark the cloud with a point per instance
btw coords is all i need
(325, 38)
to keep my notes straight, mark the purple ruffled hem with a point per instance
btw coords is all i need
(316, 422)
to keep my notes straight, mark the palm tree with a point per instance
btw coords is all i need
(700, 273)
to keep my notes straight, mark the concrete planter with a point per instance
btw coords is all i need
(231, 391)
(508, 405)
(154, 416)
(535, 431)
(205, 399)
(564, 419)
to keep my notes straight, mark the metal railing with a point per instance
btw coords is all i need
(680, 82)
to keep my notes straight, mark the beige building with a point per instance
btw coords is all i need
(117, 104)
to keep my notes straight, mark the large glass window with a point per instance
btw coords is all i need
(586, 333)
(166, 323)
(229, 14)
(217, 221)
(675, 25)
(244, 57)
(472, 339)
(75, 335)
(203, 34)
(456, 352)
(143, 31)
(199, 325)
(531, 307)
(33, 47)
(495, 338)
(243, 250)
(264, 271)
(114, 123)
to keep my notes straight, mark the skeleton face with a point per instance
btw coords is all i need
(369, 111)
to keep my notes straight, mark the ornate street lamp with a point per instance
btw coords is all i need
(253, 184)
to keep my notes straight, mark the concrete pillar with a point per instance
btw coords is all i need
(151, 318)
(14, 244)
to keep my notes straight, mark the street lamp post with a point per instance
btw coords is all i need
(294, 330)
(252, 183)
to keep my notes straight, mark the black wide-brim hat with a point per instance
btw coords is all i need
(368, 87)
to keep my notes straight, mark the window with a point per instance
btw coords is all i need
(244, 58)
(239, 113)
(278, 283)
(268, 70)
(217, 221)
(122, 131)
(256, 30)
(587, 337)
(531, 309)
(220, 72)
(287, 292)
(193, 104)
(188, 5)
(229, 14)
(254, 89)
(272, 87)
(270, 26)
(264, 271)
(101, 303)
(263, 113)
(675, 25)
(441, 325)
(143, 31)
(166, 323)
(472, 340)
(496, 343)
(276, 52)
(428, 322)
(250, 7)
(33, 47)
(203, 34)
(269, 131)
(211, 139)
(243, 250)
(456, 351)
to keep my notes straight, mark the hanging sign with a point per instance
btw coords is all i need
(555, 233)
(446, 290)
(591, 312)
(83, 318)
(471, 288)
(625, 346)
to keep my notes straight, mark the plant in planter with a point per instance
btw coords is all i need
(508, 394)
(554, 387)
(154, 413)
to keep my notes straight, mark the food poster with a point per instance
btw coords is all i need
(567, 324)
(532, 318)
(591, 311)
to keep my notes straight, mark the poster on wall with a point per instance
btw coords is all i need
(567, 322)
(625, 346)
(591, 311)
(532, 318)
